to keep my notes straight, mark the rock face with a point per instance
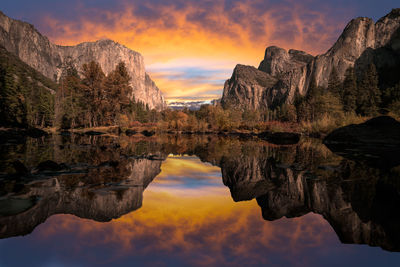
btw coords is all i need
(23, 40)
(361, 43)
(247, 87)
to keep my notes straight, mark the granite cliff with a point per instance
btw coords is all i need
(361, 43)
(23, 40)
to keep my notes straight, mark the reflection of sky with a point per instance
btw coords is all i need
(188, 218)
(187, 175)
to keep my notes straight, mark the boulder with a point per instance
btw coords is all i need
(148, 133)
(376, 141)
(280, 138)
(50, 165)
(130, 132)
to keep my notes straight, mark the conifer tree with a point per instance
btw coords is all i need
(369, 95)
(334, 84)
(349, 95)
(93, 77)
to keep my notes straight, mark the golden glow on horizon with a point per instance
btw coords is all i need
(216, 36)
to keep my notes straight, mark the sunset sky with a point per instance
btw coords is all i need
(191, 47)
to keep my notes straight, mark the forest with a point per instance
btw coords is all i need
(93, 99)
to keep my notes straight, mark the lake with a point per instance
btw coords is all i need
(194, 200)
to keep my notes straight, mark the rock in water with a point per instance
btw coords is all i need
(23, 40)
(20, 168)
(50, 165)
(281, 138)
(376, 141)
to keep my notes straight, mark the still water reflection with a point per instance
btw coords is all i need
(179, 201)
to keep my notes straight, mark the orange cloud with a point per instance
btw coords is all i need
(213, 32)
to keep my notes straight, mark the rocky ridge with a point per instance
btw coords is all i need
(23, 40)
(361, 43)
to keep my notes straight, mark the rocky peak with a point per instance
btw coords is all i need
(360, 44)
(247, 87)
(358, 35)
(278, 60)
(23, 40)
(387, 27)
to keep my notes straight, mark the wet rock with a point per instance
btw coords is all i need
(35, 133)
(280, 138)
(111, 163)
(50, 165)
(148, 133)
(65, 133)
(376, 141)
(130, 132)
(383, 130)
(93, 133)
(20, 168)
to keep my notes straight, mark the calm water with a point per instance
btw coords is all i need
(199, 200)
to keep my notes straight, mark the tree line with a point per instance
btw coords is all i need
(353, 96)
(97, 99)
(92, 98)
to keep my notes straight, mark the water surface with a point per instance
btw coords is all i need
(197, 200)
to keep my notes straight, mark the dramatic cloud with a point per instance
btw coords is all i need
(209, 36)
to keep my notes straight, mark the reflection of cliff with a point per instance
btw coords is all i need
(101, 193)
(361, 203)
(107, 177)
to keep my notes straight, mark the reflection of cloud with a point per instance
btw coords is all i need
(204, 230)
(188, 175)
(167, 32)
(188, 215)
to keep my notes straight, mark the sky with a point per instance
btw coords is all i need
(191, 47)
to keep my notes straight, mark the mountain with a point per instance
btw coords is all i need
(23, 40)
(281, 73)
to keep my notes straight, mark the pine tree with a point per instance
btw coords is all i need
(313, 100)
(349, 95)
(13, 110)
(93, 77)
(369, 95)
(334, 84)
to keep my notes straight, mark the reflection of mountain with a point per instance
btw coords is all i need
(361, 203)
(101, 193)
